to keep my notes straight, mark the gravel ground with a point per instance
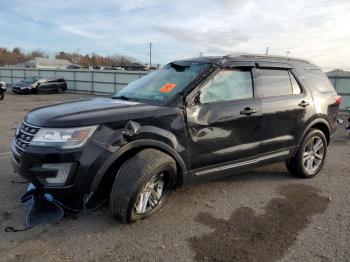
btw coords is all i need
(262, 215)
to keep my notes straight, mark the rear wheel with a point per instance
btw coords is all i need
(142, 185)
(311, 155)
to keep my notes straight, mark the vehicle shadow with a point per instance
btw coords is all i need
(189, 198)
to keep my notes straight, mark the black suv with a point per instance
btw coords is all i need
(191, 120)
(36, 84)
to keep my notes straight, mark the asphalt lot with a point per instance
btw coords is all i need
(262, 215)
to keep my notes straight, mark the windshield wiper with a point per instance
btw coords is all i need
(125, 98)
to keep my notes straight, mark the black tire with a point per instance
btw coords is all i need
(2, 95)
(296, 165)
(133, 175)
(59, 90)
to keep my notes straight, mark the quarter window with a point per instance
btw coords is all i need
(318, 79)
(228, 85)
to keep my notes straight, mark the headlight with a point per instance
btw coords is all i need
(64, 138)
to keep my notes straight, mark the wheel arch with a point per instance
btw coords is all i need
(320, 124)
(109, 168)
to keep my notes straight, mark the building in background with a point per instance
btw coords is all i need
(41, 62)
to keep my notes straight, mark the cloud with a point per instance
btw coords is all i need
(315, 29)
(79, 30)
(204, 38)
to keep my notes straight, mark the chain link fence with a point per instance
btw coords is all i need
(92, 81)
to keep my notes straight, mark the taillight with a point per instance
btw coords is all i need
(338, 100)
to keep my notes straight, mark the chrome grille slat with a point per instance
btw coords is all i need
(25, 135)
(23, 141)
(19, 148)
(28, 134)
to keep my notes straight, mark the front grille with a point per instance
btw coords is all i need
(25, 134)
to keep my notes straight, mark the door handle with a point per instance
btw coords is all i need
(248, 111)
(304, 103)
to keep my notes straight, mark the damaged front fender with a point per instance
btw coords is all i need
(132, 136)
(133, 145)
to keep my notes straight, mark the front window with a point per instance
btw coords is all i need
(164, 84)
(228, 85)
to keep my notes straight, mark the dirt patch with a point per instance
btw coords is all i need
(250, 237)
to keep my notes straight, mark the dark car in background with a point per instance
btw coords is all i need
(190, 120)
(36, 84)
(73, 67)
(136, 67)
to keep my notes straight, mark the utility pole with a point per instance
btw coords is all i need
(78, 52)
(201, 54)
(150, 54)
(288, 52)
(267, 50)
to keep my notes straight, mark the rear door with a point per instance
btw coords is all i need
(52, 85)
(223, 123)
(42, 85)
(286, 105)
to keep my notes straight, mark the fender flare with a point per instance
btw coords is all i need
(132, 145)
(312, 123)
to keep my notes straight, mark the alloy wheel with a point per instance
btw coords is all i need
(150, 196)
(313, 154)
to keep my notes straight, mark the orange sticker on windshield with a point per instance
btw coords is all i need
(167, 88)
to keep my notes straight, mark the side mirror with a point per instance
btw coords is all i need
(195, 100)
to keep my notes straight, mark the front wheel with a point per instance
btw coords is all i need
(311, 155)
(142, 185)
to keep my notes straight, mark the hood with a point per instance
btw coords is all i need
(21, 84)
(88, 112)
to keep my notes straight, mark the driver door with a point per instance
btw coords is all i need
(224, 122)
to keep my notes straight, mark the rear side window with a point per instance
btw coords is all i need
(318, 79)
(277, 82)
(227, 85)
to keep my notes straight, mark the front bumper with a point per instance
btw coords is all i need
(84, 163)
(19, 90)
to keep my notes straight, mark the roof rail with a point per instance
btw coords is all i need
(242, 55)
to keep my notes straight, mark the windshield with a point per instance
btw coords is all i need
(30, 80)
(164, 84)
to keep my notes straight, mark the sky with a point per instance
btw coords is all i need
(312, 29)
